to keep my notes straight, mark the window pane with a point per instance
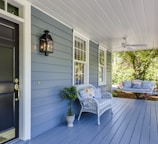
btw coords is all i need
(102, 67)
(13, 10)
(101, 58)
(82, 68)
(2, 4)
(76, 79)
(80, 55)
(80, 49)
(79, 73)
(101, 70)
(82, 78)
(84, 46)
(100, 78)
(81, 46)
(84, 56)
(76, 54)
(76, 68)
(75, 44)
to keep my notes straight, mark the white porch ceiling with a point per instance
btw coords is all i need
(107, 21)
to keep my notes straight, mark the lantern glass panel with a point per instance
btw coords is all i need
(50, 46)
(42, 45)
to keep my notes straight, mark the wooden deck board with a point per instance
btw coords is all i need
(153, 124)
(135, 138)
(146, 126)
(132, 122)
(119, 126)
(104, 133)
(130, 126)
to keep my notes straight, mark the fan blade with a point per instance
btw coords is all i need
(136, 45)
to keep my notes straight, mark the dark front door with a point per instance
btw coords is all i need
(9, 80)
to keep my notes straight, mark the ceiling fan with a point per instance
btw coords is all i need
(125, 44)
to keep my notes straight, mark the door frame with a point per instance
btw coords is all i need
(24, 65)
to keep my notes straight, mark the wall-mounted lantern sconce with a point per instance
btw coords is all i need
(46, 43)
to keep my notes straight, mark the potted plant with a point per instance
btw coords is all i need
(70, 93)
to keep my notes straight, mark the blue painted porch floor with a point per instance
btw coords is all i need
(133, 122)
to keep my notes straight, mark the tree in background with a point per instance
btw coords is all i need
(135, 65)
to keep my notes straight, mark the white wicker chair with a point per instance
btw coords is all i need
(93, 104)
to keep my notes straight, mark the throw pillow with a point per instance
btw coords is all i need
(98, 93)
(146, 85)
(127, 84)
(137, 86)
(86, 93)
(136, 82)
(92, 92)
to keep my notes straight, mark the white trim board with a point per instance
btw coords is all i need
(25, 66)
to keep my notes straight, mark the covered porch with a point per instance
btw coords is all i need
(99, 26)
(132, 122)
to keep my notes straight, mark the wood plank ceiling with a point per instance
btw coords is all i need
(106, 22)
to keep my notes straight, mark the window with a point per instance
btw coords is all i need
(9, 7)
(12, 9)
(80, 60)
(102, 66)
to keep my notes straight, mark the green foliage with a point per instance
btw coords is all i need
(119, 90)
(69, 93)
(119, 74)
(135, 65)
(114, 93)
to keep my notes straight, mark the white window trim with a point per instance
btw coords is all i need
(25, 64)
(105, 70)
(75, 33)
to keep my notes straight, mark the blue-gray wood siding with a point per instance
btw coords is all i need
(51, 73)
(93, 63)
